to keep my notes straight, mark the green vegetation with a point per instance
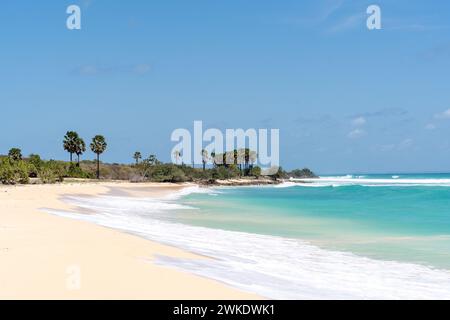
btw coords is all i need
(16, 169)
(13, 172)
(302, 173)
(15, 154)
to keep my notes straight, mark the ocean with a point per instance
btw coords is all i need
(337, 237)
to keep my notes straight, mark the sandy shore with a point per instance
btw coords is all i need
(48, 257)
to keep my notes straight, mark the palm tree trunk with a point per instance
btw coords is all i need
(98, 166)
(71, 157)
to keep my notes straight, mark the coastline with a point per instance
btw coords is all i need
(39, 251)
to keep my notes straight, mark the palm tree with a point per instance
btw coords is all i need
(252, 158)
(240, 158)
(98, 146)
(80, 149)
(15, 154)
(177, 155)
(152, 159)
(204, 158)
(225, 159)
(246, 157)
(213, 157)
(70, 143)
(137, 155)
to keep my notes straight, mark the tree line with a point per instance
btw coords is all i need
(16, 169)
(74, 144)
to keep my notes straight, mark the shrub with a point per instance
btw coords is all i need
(223, 172)
(58, 169)
(21, 173)
(14, 172)
(255, 171)
(6, 172)
(303, 173)
(280, 174)
(35, 160)
(117, 172)
(178, 175)
(47, 175)
(75, 171)
(33, 171)
(167, 173)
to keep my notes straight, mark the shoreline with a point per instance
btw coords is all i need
(40, 254)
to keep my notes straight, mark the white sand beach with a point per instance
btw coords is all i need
(40, 253)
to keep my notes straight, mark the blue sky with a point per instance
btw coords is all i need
(345, 99)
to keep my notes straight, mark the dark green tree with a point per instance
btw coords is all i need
(15, 154)
(98, 146)
(246, 158)
(80, 149)
(204, 158)
(137, 156)
(213, 157)
(70, 143)
(152, 160)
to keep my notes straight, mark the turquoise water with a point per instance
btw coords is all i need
(337, 237)
(405, 218)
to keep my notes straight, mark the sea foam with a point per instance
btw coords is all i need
(395, 181)
(273, 267)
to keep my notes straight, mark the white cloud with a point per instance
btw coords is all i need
(348, 23)
(396, 147)
(387, 147)
(406, 144)
(430, 126)
(101, 70)
(443, 115)
(88, 70)
(357, 133)
(360, 121)
(318, 15)
(87, 3)
(142, 68)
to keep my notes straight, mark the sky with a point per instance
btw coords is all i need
(346, 99)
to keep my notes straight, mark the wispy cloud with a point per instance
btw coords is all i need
(141, 68)
(348, 23)
(324, 10)
(443, 115)
(386, 112)
(101, 70)
(415, 27)
(356, 133)
(328, 9)
(441, 50)
(406, 144)
(359, 121)
(87, 3)
(399, 24)
(313, 119)
(398, 146)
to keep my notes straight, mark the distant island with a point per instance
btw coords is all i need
(16, 169)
